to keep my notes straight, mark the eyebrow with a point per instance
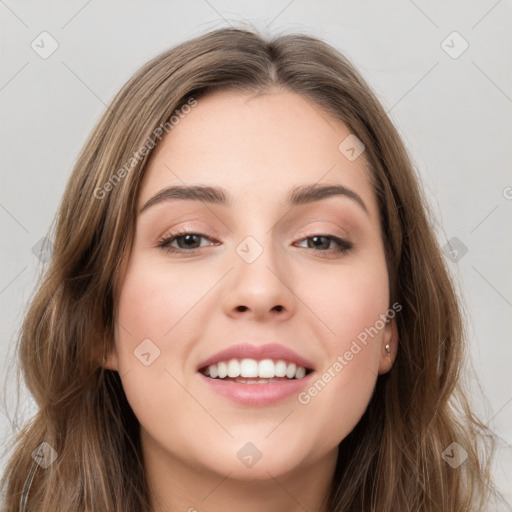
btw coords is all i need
(302, 194)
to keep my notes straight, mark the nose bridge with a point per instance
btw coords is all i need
(260, 277)
(258, 256)
(256, 234)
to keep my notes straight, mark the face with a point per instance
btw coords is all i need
(303, 282)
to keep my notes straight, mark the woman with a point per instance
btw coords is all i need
(246, 307)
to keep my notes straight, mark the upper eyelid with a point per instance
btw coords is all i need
(185, 231)
(341, 246)
(344, 231)
(180, 233)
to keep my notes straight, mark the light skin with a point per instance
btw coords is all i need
(307, 297)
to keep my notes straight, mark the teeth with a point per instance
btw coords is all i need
(223, 369)
(290, 370)
(214, 371)
(233, 368)
(251, 369)
(255, 381)
(266, 369)
(300, 372)
(280, 369)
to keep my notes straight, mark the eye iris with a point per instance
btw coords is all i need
(187, 238)
(312, 242)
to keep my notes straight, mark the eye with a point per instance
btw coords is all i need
(186, 240)
(320, 241)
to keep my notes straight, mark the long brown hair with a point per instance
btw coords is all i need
(393, 459)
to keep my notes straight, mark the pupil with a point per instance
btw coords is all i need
(189, 240)
(316, 239)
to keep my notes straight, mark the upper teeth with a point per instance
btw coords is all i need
(265, 369)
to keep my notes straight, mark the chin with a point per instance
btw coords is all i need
(250, 460)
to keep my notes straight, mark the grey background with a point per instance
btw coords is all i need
(453, 111)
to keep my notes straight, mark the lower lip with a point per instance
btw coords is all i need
(257, 394)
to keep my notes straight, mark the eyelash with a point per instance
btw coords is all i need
(344, 246)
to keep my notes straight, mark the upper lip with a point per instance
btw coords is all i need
(247, 350)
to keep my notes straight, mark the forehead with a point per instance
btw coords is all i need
(256, 146)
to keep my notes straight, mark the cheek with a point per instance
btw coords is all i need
(151, 315)
(348, 300)
(152, 303)
(337, 400)
(349, 304)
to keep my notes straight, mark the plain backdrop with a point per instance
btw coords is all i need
(442, 70)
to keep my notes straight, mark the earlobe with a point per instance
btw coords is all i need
(389, 345)
(110, 362)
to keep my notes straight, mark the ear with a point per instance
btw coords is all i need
(390, 337)
(110, 362)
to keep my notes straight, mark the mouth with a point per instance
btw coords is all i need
(254, 371)
(256, 375)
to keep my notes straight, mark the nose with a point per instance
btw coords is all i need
(260, 285)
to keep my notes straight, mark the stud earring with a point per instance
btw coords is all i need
(388, 349)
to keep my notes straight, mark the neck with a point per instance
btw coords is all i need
(177, 485)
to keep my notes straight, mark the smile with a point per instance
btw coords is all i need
(252, 371)
(256, 375)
